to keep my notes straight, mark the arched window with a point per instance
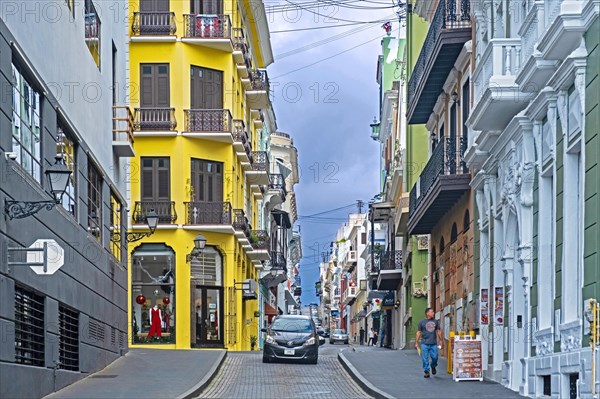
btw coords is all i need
(442, 245)
(454, 233)
(466, 221)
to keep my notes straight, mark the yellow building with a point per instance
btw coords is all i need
(202, 120)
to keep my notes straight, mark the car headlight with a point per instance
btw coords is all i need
(270, 340)
(310, 341)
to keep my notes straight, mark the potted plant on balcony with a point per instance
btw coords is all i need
(253, 238)
(253, 341)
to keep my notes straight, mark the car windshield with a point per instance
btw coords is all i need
(291, 325)
(339, 331)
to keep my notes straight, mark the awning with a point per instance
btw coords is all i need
(270, 281)
(270, 310)
(376, 295)
(374, 313)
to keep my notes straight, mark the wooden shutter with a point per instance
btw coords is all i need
(162, 5)
(155, 86)
(154, 6)
(211, 7)
(206, 88)
(207, 180)
(466, 103)
(156, 182)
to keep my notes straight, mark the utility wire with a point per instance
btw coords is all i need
(328, 27)
(329, 211)
(321, 15)
(325, 59)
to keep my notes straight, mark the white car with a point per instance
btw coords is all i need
(338, 335)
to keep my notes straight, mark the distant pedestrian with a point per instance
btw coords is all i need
(429, 339)
(371, 337)
(375, 336)
(362, 336)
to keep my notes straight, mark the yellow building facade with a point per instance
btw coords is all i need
(201, 114)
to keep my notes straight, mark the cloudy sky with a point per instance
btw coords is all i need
(325, 96)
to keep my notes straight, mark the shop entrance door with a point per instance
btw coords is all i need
(207, 316)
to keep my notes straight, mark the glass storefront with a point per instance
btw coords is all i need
(153, 294)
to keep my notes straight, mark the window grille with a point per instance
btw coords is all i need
(29, 328)
(69, 338)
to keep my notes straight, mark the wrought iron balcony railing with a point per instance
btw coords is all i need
(389, 260)
(260, 240)
(240, 221)
(450, 14)
(208, 121)
(207, 26)
(164, 209)
(122, 124)
(278, 260)
(443, 161)
(259, 80)
(92, 23)
(260, 161)
(154, 24)
(239, 41)
(277, 182)
(204, 212)
(239, 131)
(158, 119)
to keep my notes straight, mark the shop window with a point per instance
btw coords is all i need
(26, 125)
(29, 328)
(453, 233)
(153, 294)
(69, 338)
(547, 385)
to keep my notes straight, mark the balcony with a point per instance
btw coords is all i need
(449, 30)
(240, 224)
(241, 53)
(257, 92)
(349, 261)
(258, 174)
(277, 186)
(153, 27)
(241, 141)
(390, 270)
(259, 239)
(208, 30)
(155, 120)
(495, 90)
(441, 184)
(216, 217)
(278, 261)
(350, 294)
(122, 132)
(92, 25)
(209, 124)
(164, 209)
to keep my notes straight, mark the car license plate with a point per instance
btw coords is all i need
(291, 352)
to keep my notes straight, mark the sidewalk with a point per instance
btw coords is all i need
(149, 374)
(386, 373)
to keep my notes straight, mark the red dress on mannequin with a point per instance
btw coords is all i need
(155, 330)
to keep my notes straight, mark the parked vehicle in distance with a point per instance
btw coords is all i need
(338, 335)
(292, 337)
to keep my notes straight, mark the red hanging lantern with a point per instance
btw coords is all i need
(166, 300)
(140, 299)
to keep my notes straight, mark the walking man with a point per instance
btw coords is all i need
(371, 335)
(429, 338)
(362, 335)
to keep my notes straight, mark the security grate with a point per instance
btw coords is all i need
(113, 336)
(29, 327)
(96, 331)
(69, 338)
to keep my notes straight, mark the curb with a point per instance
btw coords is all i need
(362, 381)
(199, 387)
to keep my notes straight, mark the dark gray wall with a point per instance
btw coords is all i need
(91, 281)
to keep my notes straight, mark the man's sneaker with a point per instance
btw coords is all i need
(426, 375)
(433, 370)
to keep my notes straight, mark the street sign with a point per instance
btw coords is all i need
(55, 257)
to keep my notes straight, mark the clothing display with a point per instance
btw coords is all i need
(155, 322)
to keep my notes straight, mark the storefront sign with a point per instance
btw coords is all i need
(389, 299)
(467, 359)
(499, 305)
(484, 311)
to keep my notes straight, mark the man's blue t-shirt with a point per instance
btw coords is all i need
(428, 328)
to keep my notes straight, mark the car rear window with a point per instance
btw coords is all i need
(291, 325)
(339, 331)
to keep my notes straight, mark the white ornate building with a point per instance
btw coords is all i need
(535, 62)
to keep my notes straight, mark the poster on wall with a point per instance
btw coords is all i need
(484, 310)
(467, 359)
(499, 305)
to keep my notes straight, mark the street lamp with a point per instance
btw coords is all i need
(199, 245)
(58, 180)
(151, 222)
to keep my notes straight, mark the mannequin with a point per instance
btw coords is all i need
(155, 322)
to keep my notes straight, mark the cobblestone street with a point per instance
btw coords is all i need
(243, 375)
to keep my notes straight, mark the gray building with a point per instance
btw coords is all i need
(63, 77)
